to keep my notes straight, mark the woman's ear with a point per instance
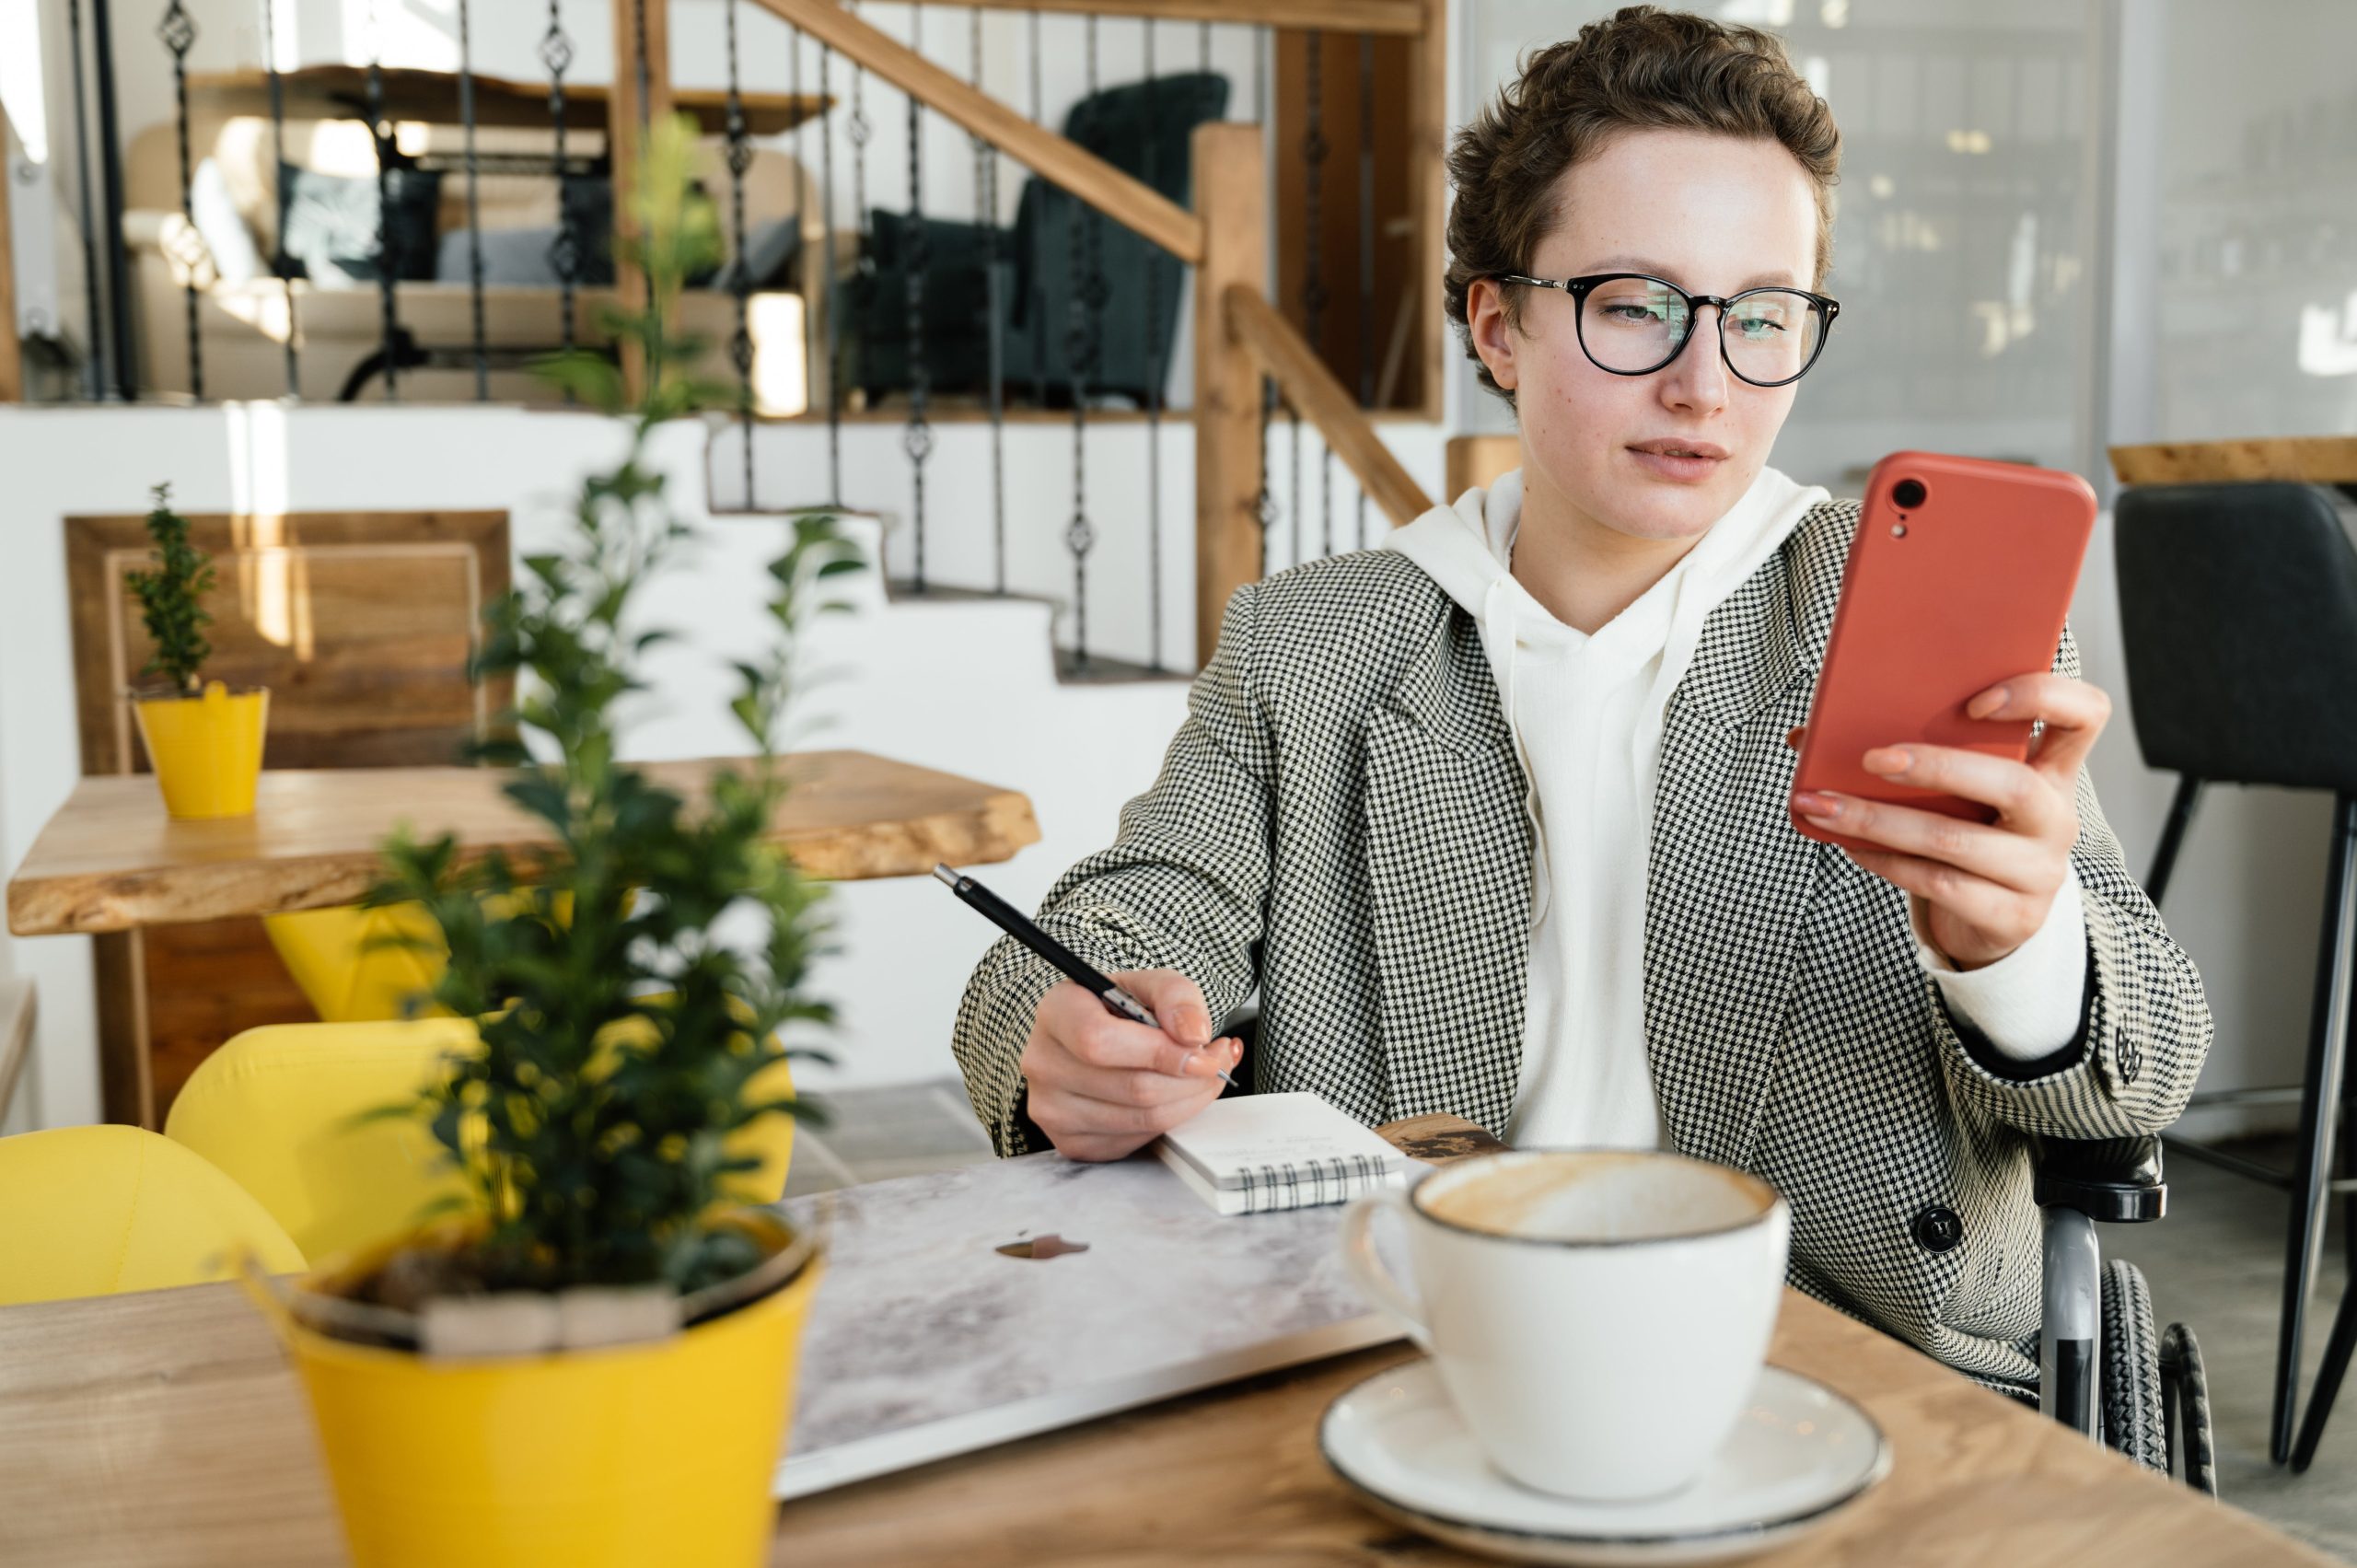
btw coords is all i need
(1494, 336)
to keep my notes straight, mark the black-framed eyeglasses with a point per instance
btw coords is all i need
(1634, 323)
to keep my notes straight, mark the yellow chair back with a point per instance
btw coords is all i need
(334, 956)
(279, 1108)
(93, 1211)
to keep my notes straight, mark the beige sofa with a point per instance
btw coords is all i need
(244, 326)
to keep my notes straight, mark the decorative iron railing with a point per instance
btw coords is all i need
(988, 323)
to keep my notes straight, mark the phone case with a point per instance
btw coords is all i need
(1940, 600)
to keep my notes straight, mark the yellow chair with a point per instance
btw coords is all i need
(346, 962)
(277, 1107)
(348, 980)
(93, 1211)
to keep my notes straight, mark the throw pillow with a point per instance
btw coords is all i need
(236, 258)
(330, 224)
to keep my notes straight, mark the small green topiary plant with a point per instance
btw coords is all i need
(170, 598)
(622, 1030)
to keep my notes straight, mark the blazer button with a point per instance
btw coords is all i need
(1937, 1229)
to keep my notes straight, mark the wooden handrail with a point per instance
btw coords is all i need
(1308, 386)
(1398, 17)
(1127, 201)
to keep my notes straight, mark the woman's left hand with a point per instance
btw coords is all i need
(1981, 890)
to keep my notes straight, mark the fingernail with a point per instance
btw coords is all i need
(1816, 807)
(1988, 703)
(1888, 759)
(1793, 737)
(1194, 1026)
(1200, 1067)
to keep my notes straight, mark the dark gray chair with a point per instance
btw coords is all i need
(2239, 606)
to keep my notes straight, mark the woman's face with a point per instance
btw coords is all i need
(1713, 214)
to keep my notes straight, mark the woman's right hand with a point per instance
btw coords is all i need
(1101, 1086)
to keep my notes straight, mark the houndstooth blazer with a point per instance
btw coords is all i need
(1340, 824)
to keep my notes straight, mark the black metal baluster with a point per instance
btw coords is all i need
(179, 32)
(645, 84)
(1314, 295)
(1080, 536)
(474, 216)
(278, 185)
(810, 272)
(122, 335)
(740, 341)
(1039, 303)
(917, 439)
(986, 209)
(381, 135)
(94, 366)
(1154, 384)
(1366, 244)
(565, 251)
(825, 265)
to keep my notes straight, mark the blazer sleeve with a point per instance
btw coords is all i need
(2144, 1024)
(1183, 887)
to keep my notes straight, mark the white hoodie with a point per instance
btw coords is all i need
(1586, 711)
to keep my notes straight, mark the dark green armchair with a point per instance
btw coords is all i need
(1041, 270)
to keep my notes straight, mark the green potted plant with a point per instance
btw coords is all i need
(589, 1360)
(204, 740)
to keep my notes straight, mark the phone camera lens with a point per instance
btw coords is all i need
(1907, 494)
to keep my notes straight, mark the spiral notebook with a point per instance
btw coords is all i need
(1251, 1153)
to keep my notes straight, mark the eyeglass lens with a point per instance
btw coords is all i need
(1634, 325)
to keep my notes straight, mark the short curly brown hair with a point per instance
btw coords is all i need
(1641, 68)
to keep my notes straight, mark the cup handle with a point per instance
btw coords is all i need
(1366, 1264)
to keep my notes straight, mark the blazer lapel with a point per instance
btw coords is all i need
(1728, 878)
(1449, 868)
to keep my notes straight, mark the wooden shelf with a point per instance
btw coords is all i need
(340, 92)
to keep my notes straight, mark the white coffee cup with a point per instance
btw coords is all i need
(1599, 1317)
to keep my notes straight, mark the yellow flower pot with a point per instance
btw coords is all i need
(207, 750)
(619, 1457)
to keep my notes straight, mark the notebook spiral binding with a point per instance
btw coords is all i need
(1304, 1184)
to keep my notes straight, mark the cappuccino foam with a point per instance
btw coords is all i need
(1598, 1196)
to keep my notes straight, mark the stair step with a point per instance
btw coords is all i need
(1099, 670)
(1102, 671)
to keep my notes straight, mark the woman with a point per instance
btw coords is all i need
(1496, 819)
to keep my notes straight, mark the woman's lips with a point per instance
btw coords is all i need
(1671, 466)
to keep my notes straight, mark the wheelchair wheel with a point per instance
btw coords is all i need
(2133, 1421)
(2186, 1401)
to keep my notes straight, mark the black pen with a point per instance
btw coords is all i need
(1012, 920)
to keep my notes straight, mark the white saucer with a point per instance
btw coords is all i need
(1799, 1455)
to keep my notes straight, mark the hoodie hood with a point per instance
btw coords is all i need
(1467, 549)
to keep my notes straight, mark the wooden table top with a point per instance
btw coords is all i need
(2318, 460)
(111, 859)
(166, 1430)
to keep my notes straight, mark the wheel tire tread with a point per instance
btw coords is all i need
(2133, 1422)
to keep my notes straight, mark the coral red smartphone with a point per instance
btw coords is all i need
(1960, 577)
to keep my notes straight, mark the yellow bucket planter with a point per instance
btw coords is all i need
(656, 1452)
(207, 750)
